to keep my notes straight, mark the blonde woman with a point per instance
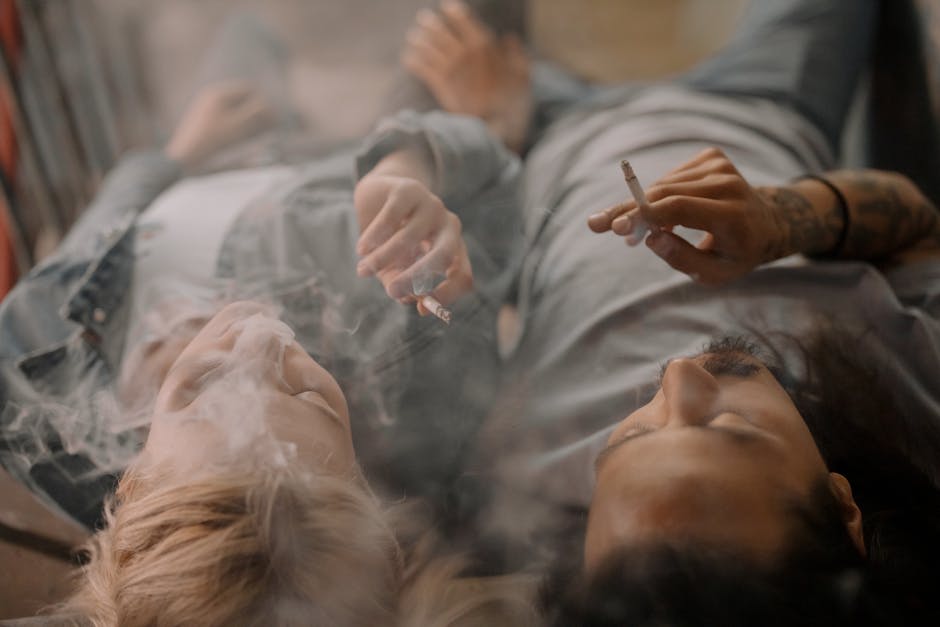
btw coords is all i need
(247, 504)
(247, 507)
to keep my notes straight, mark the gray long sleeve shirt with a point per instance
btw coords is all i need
(598, 318)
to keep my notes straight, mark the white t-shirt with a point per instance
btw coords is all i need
(179, 237)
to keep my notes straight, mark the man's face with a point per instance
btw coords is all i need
(716, 456)
(244, 387)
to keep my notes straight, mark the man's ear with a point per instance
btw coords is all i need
(851, 514)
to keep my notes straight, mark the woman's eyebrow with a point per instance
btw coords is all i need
(745, 437)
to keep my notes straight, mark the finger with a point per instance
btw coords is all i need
(399, 251)
(702, 266)
(625, 224)
(419, 66)
(436, 261)
(433, 76)
(399, 205)
(418, 44)
(465, 24)
(697, 172)
(438, 33)
(632, 227)
(693, 212)
(700, 158)
(459, 280)
(601, 221)
(707, 244)
(450, 290)
(715, 187)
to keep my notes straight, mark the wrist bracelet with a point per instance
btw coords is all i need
(843, 205)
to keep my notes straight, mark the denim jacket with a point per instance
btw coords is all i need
(62, 328)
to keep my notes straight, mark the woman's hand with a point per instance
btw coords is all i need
(408, 239)
(742, 225)
(220, 116)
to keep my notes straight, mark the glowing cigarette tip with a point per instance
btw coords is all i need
(431, 304)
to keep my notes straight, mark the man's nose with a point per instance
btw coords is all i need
(690, 393)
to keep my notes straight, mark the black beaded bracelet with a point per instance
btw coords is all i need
(836, 250)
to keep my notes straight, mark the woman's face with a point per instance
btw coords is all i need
(242, 384)
(716, 456)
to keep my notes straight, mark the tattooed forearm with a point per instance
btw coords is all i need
(802, 226)
(888, 214)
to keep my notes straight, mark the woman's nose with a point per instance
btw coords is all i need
(690, 393)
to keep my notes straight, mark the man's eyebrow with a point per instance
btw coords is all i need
(735, 434)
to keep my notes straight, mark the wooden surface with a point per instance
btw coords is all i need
(29, 579)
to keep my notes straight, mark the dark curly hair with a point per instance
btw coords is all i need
(821, 579)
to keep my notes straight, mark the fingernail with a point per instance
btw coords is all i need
(363, 269)
(622, 224)
(596, 216)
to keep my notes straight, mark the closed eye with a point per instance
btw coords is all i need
(746, 436)
(636, 431)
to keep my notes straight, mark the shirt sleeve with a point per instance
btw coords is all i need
(466, 157)
(129, 188)
(918, 285)
(475, 176)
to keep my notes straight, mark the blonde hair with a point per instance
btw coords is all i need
(267, 547)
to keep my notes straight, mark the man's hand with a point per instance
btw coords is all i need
(709, 194)
(470, 71)
(221, 115)
(408, 238)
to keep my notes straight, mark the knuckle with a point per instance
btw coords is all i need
(670, 204)
(464, 280)
(455, 223)
(395, 288)
(406, 186)
(725, 179)
(656, 192)
(713, 152)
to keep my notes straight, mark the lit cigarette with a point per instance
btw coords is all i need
(430, 303)
(640, 227)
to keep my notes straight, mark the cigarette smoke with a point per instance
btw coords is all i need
(96, 428)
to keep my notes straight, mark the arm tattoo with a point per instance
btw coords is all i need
(888, 215)
(802, 228)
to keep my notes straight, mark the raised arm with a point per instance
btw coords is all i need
(436, 196)
(406, 232)
(866, 215)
